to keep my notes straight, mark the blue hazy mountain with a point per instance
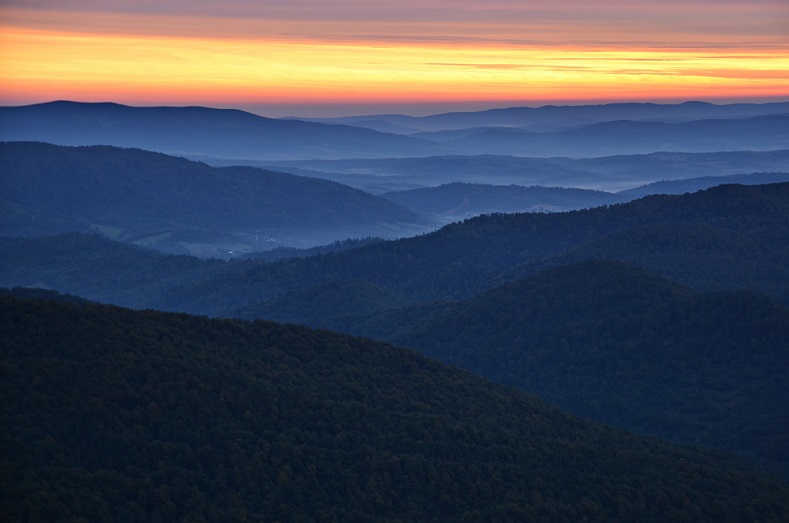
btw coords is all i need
(457, 201)
(704, 182)
(757, 133)
(177, 205)
(553, 118)
(609, 173)
(232, 134)
(199, 130)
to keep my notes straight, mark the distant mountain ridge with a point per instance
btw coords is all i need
(553, 117)
(233, 134)
(758, 133)
(225, 133)
(609, 173)
(456, 201)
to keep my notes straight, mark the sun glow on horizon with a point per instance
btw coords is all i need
(47, 65)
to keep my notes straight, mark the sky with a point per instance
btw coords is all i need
(344, 57)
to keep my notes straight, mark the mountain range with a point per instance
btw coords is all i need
(184, 207)
(609, 173)
(553, 118)
(558, 268)
(528, 284)
(232, 134)
(224, 133)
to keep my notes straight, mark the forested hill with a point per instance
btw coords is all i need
(725, 238)
(181, 206)
(465, 258)
(615, 343)
(111, 414)
(100, 269)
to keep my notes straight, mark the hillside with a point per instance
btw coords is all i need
(725, 238)
(144, 416)
(223, 133)
(465, 258)
(705, 256)
(617, 344)
(180, 206)
(100, 269)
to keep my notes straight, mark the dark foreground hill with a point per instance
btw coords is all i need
(615, 343)
(111, 414)
(177, 205)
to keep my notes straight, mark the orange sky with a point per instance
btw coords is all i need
(288, 61)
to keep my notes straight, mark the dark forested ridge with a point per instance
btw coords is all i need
(100, 269)
(468, 257)
(725, 238)
(705, 256)
(615, 343)
(181, 206)
(111, 414)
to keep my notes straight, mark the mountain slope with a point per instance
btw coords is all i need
(121, 415)
(180, 205)
(100, 269)
(222, 133)
(618, 344)
(704, 256)
(725, 238)
(468, 257)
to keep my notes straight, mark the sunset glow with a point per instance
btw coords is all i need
(103, 60)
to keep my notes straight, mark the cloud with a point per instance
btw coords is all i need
(550, 21)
